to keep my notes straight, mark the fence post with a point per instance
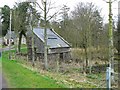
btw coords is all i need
(108, 78)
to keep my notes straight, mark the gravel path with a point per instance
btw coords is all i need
(3, 83)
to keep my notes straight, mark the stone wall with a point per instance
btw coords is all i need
(61, 56)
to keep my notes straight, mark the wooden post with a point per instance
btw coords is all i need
(10, 35)
(108, 78)
(57, 62)
(35, 53)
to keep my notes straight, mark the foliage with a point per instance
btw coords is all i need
(88, 23)
(6, 18)
(84, 21)
(117, 34)
(83, 29)
(23, 20)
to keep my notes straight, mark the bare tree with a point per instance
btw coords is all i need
(87, 21)
(46, 9)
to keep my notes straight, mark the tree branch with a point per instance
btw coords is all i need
(39, 6)
(52, 16)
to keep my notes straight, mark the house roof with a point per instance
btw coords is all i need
(53, 39)
(13, 35)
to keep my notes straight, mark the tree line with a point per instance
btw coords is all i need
(84, 28)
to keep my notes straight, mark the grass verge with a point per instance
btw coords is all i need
(20, 77)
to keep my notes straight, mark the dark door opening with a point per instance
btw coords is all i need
(61, 56)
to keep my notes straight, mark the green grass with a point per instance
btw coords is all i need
(20, 77)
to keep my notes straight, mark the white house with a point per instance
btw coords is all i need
(13, 39)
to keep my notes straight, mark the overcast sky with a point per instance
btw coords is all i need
(101, 4)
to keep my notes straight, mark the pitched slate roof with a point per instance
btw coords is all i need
(54, 40)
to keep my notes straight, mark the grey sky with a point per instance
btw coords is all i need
(72, 3)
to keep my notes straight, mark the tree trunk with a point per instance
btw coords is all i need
(90, 60)
(29, 48)
(19, 43)
(85, 65)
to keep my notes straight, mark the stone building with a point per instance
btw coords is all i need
(57, 46)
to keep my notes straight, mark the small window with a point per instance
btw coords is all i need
(51, 36)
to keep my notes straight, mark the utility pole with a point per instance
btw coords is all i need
(111, 51)
(10, 35)
(110, 69)
(45, 37)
